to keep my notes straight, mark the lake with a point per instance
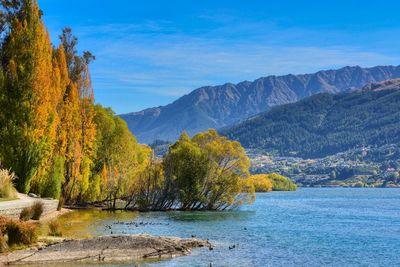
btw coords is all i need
(309, 227)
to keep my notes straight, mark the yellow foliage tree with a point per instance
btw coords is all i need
(261, 183)
(229, 169)
(29, 99)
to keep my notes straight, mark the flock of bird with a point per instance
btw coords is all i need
(138, 224)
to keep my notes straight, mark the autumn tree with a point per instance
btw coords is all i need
(28, 100)
(52, 184)
(260, 183)
(77, 114)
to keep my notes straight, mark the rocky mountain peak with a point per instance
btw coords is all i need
(223, 105)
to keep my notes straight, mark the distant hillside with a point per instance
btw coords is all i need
(325, 124)
(219, 106)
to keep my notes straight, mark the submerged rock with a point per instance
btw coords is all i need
(106, 249)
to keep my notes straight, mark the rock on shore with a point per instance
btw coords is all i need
(105, 249)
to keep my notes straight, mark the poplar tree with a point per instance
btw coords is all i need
(78, 114)
(28, 102)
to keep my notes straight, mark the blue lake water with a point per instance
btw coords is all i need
(309, 227)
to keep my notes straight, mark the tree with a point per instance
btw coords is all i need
(261, 183)
(186, 166)
(119, 159)
(228, 171)
(28, 101)
(281, 183)
(148, 192)
(78, 115)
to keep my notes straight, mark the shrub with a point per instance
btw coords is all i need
(3, 244)
(7, 189)
(26, 214)
(281, 183)
(21, 233)
(55, 228)
(3, 225)
(261, 183)
(37, 210)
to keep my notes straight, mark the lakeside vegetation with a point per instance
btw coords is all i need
(281, 183)
(15, 234)
(7, 190)
(204, 172)
(271, 182)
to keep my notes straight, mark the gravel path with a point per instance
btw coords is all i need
(13, 208)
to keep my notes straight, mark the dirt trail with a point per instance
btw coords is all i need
(13, 208)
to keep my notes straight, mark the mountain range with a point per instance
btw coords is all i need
(326, 124)
(228, 104)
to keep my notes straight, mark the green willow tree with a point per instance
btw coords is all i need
(186, 166)
(207, 172)
(228, 173)
(119, 159)
(149, 192)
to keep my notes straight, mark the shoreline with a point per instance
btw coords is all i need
(54, 215)
(102, 249)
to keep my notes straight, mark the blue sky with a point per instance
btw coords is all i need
(149, 53)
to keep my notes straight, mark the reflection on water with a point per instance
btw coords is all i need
(87, 223)
(209, 215)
